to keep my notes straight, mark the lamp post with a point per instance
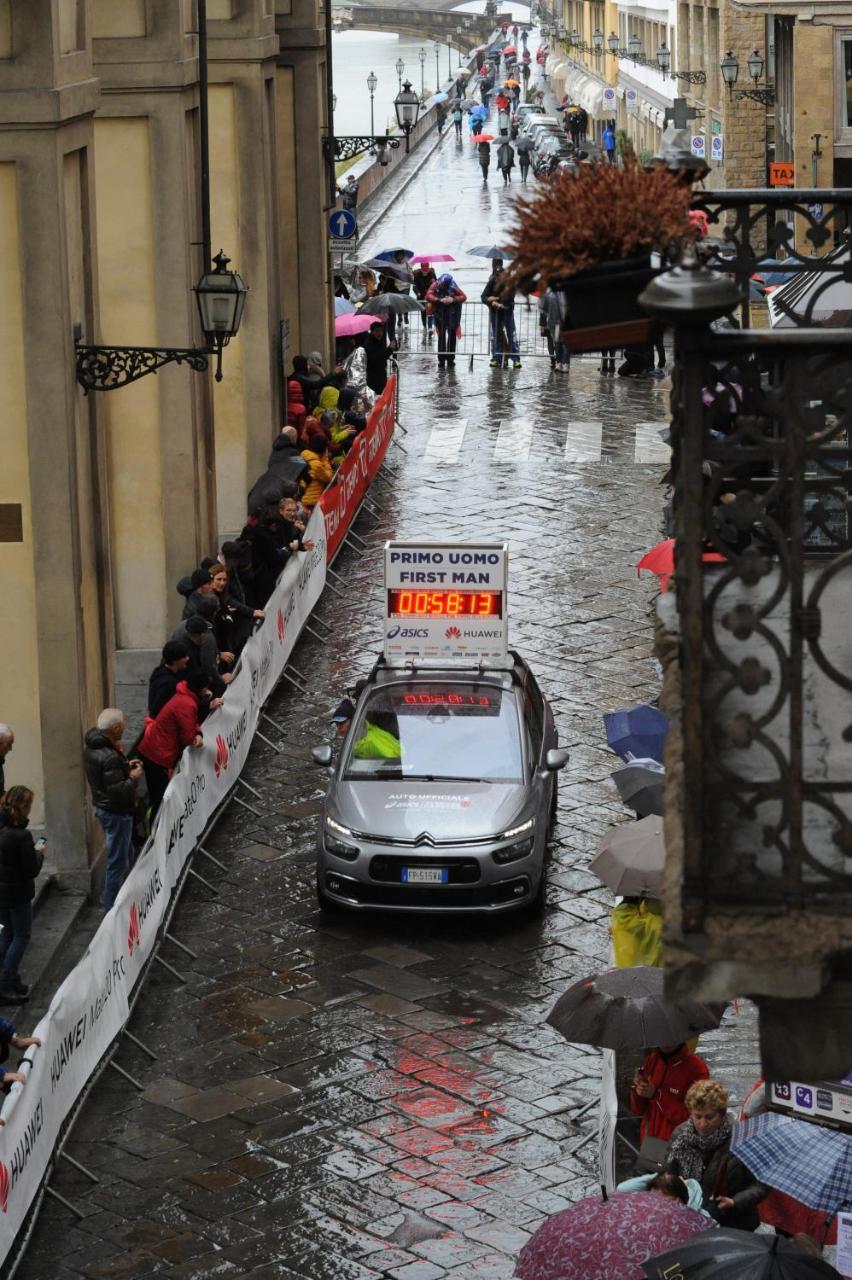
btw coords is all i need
(333, 103)
(407, 107)
(372, 83)
(422, 57)
(634, 46)
(730, 69)
(437, 68)
(449, 58)
(400, 68)
(460, 33)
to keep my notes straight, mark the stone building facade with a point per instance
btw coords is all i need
(107, 499)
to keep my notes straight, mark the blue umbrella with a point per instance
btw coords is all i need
(343, 307)
(639, 732)
(480, 111)
(807, 1161)
(388, 255)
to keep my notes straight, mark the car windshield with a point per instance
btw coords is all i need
(451, 731)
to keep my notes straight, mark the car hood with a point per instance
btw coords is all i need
(445, 811)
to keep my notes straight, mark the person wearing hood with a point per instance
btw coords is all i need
(377, 350)
(177, 726)
(351, 406)
(340, 431)
(500, 302)
(284, 461)
(296, 408)
(112, 780)
(424, 278)
(320, 470)
(164, 679)
(446, 299)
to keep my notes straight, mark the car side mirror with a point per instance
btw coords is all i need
(556, 758)
(322, 755)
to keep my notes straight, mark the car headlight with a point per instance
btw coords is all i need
(507, 835)
(333, 843)
(513, 852)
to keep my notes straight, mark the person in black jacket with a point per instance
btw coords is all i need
(21, 859)
(112, 779)
(378, 350)
(164, 679)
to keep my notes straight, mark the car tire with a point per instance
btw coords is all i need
(534, 909)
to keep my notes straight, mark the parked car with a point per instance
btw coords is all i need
(532, 119)
(442, 795)
(526, 109)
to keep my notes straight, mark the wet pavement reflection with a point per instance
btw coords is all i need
(370, 1097)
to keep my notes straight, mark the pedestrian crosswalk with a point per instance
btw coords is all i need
(584, 442)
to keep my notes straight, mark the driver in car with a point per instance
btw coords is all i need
(376, 742)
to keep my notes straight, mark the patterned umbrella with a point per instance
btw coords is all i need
(737, 1255)
(624, 1009)
(807, 1161)
(607, 1240)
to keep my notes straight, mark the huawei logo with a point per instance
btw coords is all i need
(4, 1187)
(222, 755)
(452, 633)
(134, 933)
(280, 626)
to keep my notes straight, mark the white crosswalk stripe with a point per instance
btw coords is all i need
(445, 440)
(514, 440)
(649, 447)
(583, 443)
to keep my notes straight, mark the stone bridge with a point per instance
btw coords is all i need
(411, 21)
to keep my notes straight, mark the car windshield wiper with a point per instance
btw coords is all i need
(441, 777)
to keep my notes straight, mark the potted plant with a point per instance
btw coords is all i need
(590, 235)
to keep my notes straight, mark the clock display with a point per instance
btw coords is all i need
(404, 603)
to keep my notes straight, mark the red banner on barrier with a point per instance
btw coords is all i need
(341, 500)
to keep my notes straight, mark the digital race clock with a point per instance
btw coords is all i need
(444, 604)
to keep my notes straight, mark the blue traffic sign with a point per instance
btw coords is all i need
(342, 224)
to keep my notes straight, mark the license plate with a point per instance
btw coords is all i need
(425, 875)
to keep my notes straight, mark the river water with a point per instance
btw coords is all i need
(356, 53)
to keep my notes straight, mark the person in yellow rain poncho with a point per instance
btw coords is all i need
(375, 742)
(331, 417)
(637, 932)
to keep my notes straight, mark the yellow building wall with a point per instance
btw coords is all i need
(19, 686)
(229, 416)
(126, 263)
(118, 18)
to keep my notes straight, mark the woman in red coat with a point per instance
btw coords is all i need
(659, 1089)
(176, 726)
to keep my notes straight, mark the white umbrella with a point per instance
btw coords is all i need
(630, 858)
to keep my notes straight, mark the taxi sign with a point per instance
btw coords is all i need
(445, 604)
(782, 173)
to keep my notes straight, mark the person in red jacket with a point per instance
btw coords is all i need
(659, 1089)
(176, 726)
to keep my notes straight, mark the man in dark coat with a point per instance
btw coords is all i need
(112, 779)
(197, 634)
(164, 678)
(501, 310)
(378, 350)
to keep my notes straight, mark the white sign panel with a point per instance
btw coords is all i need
(445, 604)
(631, 99)
(717, 146)
(844, 1244)
(609, 97)
(823, 1101)
(698, 145)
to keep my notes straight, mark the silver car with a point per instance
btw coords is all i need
(443, 794)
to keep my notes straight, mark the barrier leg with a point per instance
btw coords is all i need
(293, 672)
(172, 970)
(81, 1168)
(193, 955)
(285, 675)
(139, 1045)
(333, 573)
(316, 635)
(398, 443)
(351, 534)
(579, 1147)
(297, 672)
(207, 885)
(219, 864)
(241, 782)
(112, 1063)
(269, 743)
(359, 551)
(333, 588)
(67, 1203)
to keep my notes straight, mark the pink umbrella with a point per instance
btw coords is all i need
(608, 1240)
(348, 326)
(431, 257)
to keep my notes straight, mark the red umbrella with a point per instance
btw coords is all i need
(431, 257)
(482, 137)
(608, 1240)
(348, 326)
(660, 560)
(509, 49)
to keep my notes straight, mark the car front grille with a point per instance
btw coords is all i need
(461, 897)
(459, 870)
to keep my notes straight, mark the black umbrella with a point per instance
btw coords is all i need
(489, 251)
(390, 304)
(738, 1255)
(625, 1009)
(396, 270)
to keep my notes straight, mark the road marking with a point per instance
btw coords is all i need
(649, 447)
(445, 440)
(514, 440)
(584, 442)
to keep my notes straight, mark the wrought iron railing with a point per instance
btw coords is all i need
(763, 490)
(808, 228)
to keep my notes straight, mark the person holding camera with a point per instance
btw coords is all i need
(21, 860)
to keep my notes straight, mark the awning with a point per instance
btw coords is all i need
(586, 91)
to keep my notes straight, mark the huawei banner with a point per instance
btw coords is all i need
(359, 468)
(92, 1005)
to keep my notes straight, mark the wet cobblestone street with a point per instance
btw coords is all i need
(365, 1097)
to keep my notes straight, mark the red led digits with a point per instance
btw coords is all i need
(445, 700)
(440, 604)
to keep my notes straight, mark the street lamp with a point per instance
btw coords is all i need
(333, 103)
(407, 106)
(612, 42)
(437, 68)
(664, 58)
(634, 46)
(460, 33)
(730, 69)
(400, 67)
(598, 41)
(754, 62)
(422, 57)
(449, 58)
(221, 298)
(664, 62)
(730, 73)
(372, 84)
